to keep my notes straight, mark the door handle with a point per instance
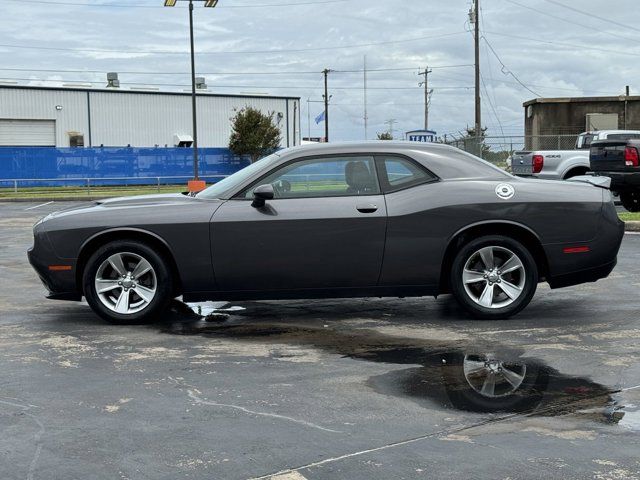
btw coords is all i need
(368, 208)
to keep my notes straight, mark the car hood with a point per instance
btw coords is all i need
(153, 202)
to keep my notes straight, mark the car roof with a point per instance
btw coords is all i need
(609, 132)
(372, 146)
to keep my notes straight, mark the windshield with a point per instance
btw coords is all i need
(232, 181)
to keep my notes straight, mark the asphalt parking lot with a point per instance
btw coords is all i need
(349, 389)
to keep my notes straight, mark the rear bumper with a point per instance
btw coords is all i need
(60, 284)
(622, 181)
(583, 276)
(568, 269)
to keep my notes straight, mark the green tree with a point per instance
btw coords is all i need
(477, 145)
(254, 133)
(385, 136)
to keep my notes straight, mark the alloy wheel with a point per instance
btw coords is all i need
(494, 277)
(126, 283)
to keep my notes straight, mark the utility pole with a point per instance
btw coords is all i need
(366, 116)
(391, 122)
(427, 96)
(475, 18)
(309, 116)
(326, 104)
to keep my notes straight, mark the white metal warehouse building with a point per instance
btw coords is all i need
(64, 117)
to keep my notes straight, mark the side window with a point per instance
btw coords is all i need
(323, 177)
(399, 173)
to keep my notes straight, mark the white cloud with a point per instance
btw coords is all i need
(604, 66)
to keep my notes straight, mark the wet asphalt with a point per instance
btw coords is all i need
(332, 389)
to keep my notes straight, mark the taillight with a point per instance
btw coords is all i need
(538, 163)
(631, 157)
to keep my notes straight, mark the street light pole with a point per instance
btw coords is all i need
(193, 96)
(196, 185)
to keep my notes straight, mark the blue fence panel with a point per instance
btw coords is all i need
(105, 166)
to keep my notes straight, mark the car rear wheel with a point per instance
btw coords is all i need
(127, 282)
(631, 201)
(494, 277)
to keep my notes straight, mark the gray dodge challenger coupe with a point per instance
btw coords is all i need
(384, 219)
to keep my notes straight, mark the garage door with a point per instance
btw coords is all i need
(27, 133)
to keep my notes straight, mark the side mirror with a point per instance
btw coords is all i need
(261, 194)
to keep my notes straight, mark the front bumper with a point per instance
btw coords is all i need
(61, 284)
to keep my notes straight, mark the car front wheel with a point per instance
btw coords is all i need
(127, 282)
(494, 277)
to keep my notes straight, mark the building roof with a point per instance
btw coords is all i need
(200, 93)
(620, 98)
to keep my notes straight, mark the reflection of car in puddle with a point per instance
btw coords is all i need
(461, 374)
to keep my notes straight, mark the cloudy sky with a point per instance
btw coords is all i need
(530, 48)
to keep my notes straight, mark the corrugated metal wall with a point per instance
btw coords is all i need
(140, 119)
(33, 104)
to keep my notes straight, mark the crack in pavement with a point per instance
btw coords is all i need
(37, 436)
(438, 433)
(201, 401)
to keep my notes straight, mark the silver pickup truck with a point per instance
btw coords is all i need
(564, 164)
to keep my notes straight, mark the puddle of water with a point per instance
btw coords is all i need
(464, 374)
(631, 418)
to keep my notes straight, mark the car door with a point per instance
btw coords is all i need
(324, 229)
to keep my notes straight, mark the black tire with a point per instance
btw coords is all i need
(528, 281)
(631, 201)
(163, 282)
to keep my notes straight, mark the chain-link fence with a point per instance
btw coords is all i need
(498, 149)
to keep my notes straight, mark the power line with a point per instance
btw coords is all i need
(565, 44)
(452, 76)
(296, 87)
(133, 5)
(506, 70)
(299, 72)
(573, 22)
(237, 52)
(484, 85)
(401, 69)
(592, 15)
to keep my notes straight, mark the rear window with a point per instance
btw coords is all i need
(399, 173)
(623, 136)
(584, 141)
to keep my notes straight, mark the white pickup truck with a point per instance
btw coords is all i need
(564, 164)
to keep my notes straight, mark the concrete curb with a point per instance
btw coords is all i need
(632, 226)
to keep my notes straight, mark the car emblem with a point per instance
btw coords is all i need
(505, 191)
